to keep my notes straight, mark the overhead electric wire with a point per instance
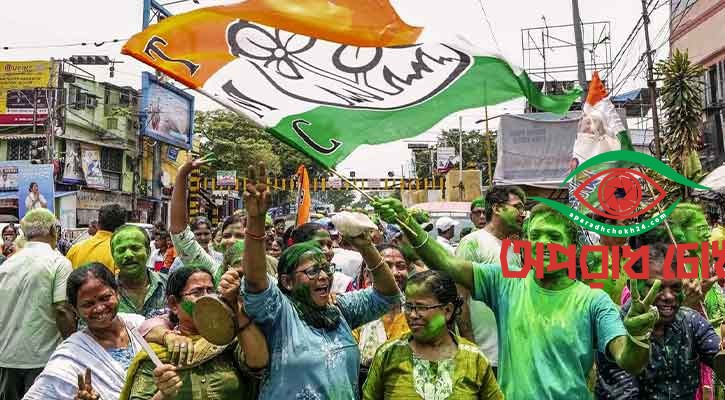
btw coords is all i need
(74, 44)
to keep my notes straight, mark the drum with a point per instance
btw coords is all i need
(215, 320)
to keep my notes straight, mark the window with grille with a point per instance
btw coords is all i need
(112, 167)
(26, 149)
(111, 159)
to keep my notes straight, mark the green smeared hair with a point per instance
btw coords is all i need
(290, 258)
(479, 202)
(326, 317)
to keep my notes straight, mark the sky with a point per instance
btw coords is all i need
(33, 29)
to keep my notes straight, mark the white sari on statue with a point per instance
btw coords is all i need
(59, 379)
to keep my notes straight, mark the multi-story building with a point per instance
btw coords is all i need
(96, 147)
(697, 26)
(97, 153)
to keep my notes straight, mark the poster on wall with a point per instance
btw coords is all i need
(73, 168)
(446, 159)
(169, 112)
(23, 92)
(91, 160)
(35, 188)
(8, 179)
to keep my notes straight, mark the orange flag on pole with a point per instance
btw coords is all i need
(304, 202)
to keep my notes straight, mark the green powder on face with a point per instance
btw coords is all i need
(434, 327)
(188, 307)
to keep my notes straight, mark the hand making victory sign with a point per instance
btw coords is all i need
(256, 196)
(642, 315)
(85, 388)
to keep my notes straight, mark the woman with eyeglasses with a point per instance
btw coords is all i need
(221, 372)
(313, 353)
(431, 362)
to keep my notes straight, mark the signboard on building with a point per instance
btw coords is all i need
(169, 112)
(446, 158)
(172, 153)
(23, 92)
(92, 200)
(35, 188)
(91, 162)
(226, 178)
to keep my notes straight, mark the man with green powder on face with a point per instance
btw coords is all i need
(504, 210)
(549, 328)
(141, 290)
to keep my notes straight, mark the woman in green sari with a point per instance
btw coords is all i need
(431, 362)
(215, 372)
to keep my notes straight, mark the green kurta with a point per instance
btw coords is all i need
(225, 376)
(397, 374)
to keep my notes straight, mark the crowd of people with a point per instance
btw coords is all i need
(403, 311)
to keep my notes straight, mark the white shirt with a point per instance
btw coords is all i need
(446, 244)
(32, 202)
(30, 282)
(483, 247)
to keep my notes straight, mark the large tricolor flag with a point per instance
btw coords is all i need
(601, 129)
(326, 76)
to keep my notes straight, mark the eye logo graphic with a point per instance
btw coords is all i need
(619, 193)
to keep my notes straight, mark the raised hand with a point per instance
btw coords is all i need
(256, 196)
(190, 165)
(85, 388)
(390, 210)
(696, 289)
(642, 315)
(361, 240)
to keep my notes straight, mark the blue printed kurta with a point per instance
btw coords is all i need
(308, 363)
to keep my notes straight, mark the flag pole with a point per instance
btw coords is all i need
(256, 121)
(401, 223)
(259, 124)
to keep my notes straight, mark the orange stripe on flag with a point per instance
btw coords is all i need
(200, 38)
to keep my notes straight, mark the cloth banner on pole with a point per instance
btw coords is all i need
(304, 201)
(327, 77)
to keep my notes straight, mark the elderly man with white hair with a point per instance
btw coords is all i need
(34, 314)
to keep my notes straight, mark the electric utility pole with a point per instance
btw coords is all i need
(651, 83)
(581, 68)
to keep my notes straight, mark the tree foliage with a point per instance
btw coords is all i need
(681, 97)
(237, 144)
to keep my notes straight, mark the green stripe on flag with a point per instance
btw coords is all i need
(489, 81)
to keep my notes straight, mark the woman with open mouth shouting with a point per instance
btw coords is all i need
(313, 353)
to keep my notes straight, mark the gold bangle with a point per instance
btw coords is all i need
(378, 265)
(422, 244)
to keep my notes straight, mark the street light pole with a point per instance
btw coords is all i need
(460, 160)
